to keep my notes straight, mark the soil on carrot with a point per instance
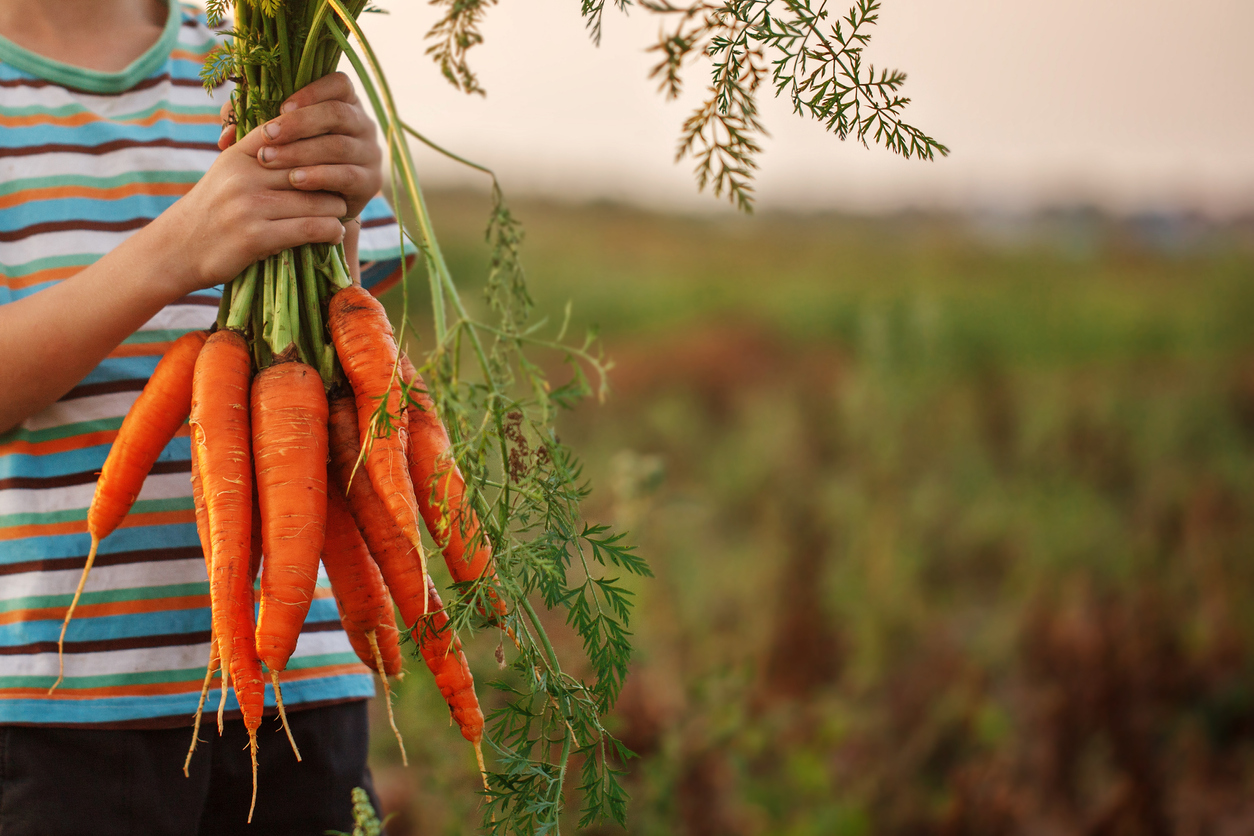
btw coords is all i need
(950, 519)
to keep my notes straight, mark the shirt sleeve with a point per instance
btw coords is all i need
(380, 246)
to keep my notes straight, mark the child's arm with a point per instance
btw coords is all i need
(241, 211)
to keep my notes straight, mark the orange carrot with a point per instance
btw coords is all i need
(390, 549)
(355, 578)
(442, 651)
(290, 449)
(363, 340)
(363, 601)
(148, 427)
(441, 490)
(246, 675)
(202, 530)
(206, 548)
(254, 555)
(221, 439)
(387, 640)
(202, 516)
(221, 443)
(289, 412)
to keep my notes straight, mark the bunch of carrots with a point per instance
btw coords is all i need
(313, 439)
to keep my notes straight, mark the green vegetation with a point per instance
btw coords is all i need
(951, 534)
(804, 51)
(497, 407)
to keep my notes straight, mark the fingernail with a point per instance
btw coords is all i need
(267, 154)
(288, 107)
(272, 130)
(343, 232)
(299, 176)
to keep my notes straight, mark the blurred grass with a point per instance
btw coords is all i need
(950, 520)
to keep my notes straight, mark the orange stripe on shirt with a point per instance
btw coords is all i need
(325, 670)
(188, 55)
(58, 445)
(17, 532)
(52, 274)
(75, 120)
(93, 193)
(73, 442)
(181, 602)
(140, 349)
(68, 692)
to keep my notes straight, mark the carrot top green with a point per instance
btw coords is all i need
(518, 488)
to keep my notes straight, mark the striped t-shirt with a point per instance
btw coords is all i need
(86, 158)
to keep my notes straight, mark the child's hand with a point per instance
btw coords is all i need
(324, 140)
(241, 212)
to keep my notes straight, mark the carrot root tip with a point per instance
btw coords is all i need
(483, 770)
(372, 637)
(222, 701)
(200, 707)
(422, 562)
(69, 613)
(278, 700)
(252, 751)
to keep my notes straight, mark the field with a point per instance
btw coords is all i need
(950, 517)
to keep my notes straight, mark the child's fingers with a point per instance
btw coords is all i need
(264, 180)
(227, 138)
(252, 142)
(330, 117)
(330, 149)
(335, 86)
(283, 205)
(344, 179)
(293, 232)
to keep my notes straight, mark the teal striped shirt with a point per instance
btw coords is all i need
(87, 158)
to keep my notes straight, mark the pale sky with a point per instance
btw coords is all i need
(1131, 104)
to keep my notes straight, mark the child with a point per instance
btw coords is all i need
(124, 202)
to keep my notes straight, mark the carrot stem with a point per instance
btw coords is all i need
(324, 286)
(339, 277)
(285, 52)
(242, 301)
(385, 112)
(237, 102)
(264, 72)
(283, 332)
(313, 316)
(544, 637)
(267, 301)
(299, 338)
(278, 700)
(224, 303)
(304, 72)
(261, 351)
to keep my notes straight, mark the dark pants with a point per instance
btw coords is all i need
(130, 782)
